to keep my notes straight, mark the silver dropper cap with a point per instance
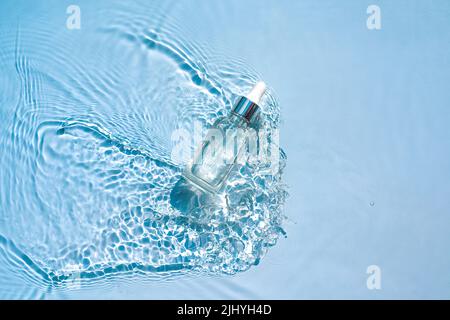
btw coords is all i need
(247, 106)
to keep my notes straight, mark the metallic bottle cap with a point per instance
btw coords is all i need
(247, 106)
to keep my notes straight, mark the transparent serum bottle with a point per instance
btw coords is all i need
(220, 149)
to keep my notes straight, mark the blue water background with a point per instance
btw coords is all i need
(364, 122)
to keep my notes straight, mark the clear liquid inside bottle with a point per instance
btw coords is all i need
(218, 153)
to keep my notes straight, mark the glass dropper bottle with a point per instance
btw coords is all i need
(225, 140)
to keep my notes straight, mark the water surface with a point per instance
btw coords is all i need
(88, 180)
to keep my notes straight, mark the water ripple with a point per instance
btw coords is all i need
(89, 190)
